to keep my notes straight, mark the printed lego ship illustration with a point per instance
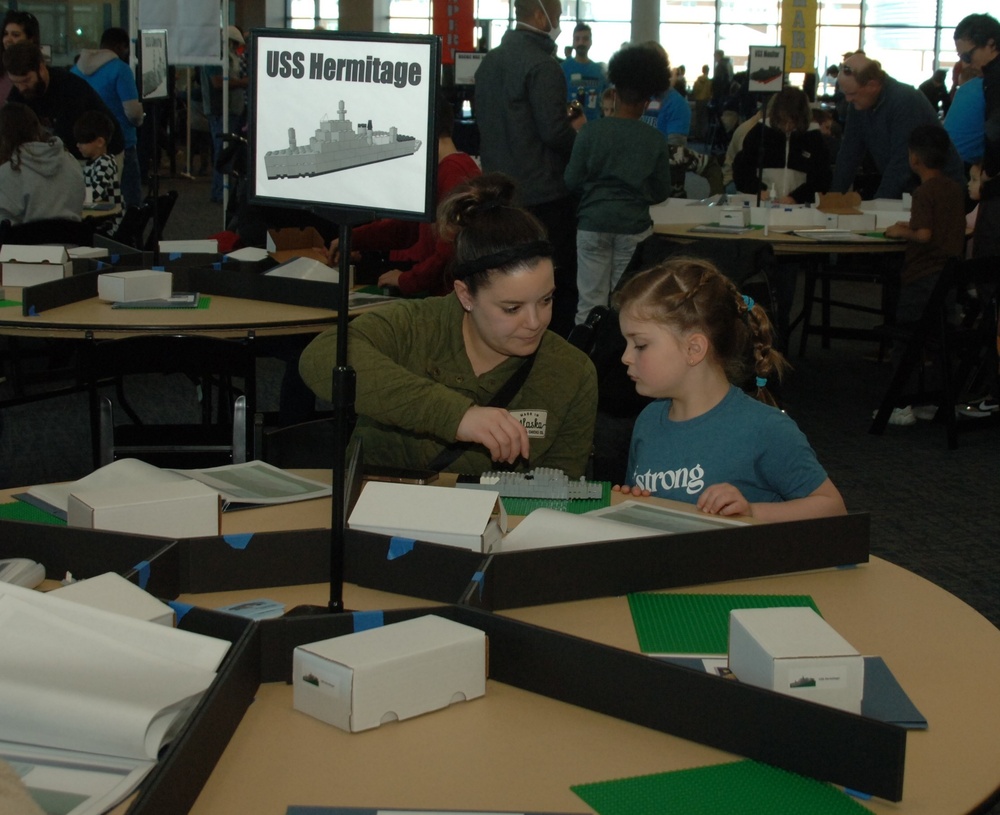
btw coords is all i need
(337, 145)
(803, 682)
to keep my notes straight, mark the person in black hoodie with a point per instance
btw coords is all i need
(795, 158)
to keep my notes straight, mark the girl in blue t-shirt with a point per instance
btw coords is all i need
(692, 340)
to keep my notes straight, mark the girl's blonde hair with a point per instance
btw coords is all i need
(688, 294)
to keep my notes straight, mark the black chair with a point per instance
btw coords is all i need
(130, 227)
(54, 231)
(965, 349)
(155, 214)
(207, 367)
(880, 270)
(16, 355)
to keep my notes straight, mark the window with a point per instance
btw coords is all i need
(307, 15)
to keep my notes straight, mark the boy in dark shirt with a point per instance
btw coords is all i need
(935, 231)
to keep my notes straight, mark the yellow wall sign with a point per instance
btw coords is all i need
(798, 34)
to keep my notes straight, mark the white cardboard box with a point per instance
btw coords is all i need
(182, 509)
(205, 246)
(30, 265)
(139, 284)
(112, 592)
(359, 681)
(796, 652)
(469, 519)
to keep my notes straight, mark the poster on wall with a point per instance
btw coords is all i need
(344, 120)
(152, 65)
(766, 68)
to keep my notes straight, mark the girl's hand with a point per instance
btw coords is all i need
(390, 278)
(975, 181)
(497, 430)
(625, 489)
(724, 499)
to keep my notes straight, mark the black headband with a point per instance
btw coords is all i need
(500, 260)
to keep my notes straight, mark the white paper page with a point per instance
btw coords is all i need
(124, 472)
(255, 482)
(187, 647)
(303, 268)
(544, 528)
(91, 784)
(68, 686)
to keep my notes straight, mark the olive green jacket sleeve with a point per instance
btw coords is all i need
(396, 383)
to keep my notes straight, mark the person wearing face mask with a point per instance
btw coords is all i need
(795, 159)
(526, 133)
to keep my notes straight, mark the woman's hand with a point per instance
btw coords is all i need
(497, 430)
(625, 489)
(724, 499)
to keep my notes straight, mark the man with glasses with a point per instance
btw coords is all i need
(56, 96)
(977, 42)
(882, 115)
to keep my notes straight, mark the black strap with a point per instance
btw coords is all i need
(500, 399)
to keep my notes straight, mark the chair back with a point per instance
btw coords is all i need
(167, 433)
(156, 213)
(54, 231)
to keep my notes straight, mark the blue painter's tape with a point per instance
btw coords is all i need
(32, 312)
(180, 609)
(399, 547)
(174, 255)
(365, 620)
(143, 568)
(848, 566)
(217, 267)
(101, 264)
(159, 268)
(864, 796)
(478, 578)
(115, 259)
(239, 542)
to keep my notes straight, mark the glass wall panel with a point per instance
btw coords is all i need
(736, 41)
(832, 43)
(687, 11)
(689, 45)
(493, 10)
(907, 54)
(846, 12)
(952, 12)
(409, 8)
(900, 12)
(608, 38)
(746, 11)
(409, 25)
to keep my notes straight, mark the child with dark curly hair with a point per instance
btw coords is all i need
(619, 166)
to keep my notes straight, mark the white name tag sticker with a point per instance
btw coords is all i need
(534, 421)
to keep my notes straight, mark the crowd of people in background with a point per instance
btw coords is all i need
(585, 149)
